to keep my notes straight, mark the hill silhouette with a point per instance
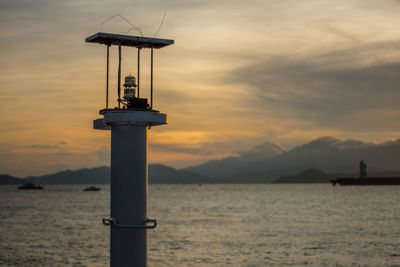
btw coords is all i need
(158, 174)
(7, 179)
(261, 164)
(328, 154)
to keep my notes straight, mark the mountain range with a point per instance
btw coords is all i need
(328, 154)
(261, 164)
(158, 174)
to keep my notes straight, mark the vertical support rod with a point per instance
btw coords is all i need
(151, 81)
(107, 78)
(119, 76)
(138, 72)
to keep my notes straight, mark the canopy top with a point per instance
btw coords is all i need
(128, 40)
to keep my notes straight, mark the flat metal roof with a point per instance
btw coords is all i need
(128, 40)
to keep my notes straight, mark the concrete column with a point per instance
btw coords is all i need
(129, 186)
(129, 182)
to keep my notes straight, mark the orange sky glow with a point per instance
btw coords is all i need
(239, 74)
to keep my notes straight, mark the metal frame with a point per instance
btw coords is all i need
(128, 40)
(119, 76)
(107, 75)
(151, 81)
(113, 223)
(138, 72)
(120, 40)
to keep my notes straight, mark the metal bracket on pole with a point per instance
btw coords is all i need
(113, 223)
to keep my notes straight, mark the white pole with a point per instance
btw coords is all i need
(129, 183)
(128, 194)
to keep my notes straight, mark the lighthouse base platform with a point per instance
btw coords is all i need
(129, 117)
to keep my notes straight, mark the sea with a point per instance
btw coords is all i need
(209, 225)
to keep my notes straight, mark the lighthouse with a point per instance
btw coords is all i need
(129, 123)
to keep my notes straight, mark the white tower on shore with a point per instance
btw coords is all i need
(129, 124)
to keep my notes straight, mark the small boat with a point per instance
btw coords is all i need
(30, 186)
(91, 188)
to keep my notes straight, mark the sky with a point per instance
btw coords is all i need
(240, 73)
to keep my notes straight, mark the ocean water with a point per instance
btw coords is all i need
(209, 225)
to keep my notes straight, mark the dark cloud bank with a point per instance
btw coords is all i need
(335, 90)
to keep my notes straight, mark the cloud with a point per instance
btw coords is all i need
(104, 156)
(339, 144)
(60, 144)
(180, 148)
(340, 89)
(201, 148)
(47, 158)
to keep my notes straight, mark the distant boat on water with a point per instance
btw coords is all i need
(91, 188)
(364, 180)
(30, 186)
